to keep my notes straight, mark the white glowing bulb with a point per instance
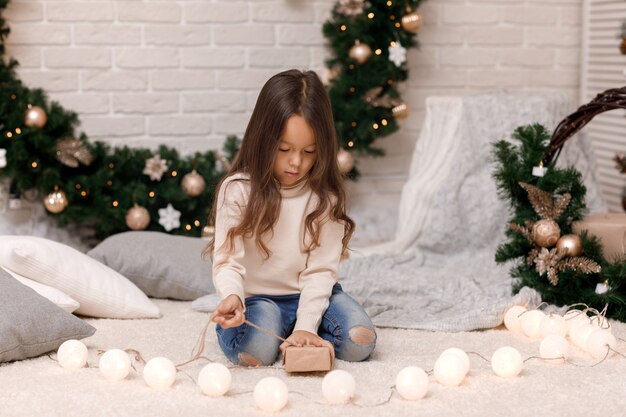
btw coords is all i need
(553, 324)
(574, 318)
(214, 379)
(338, 387)
(507, 362)
(512, 319)
(72, 354)
(159, 373)
(461, 354)
(531, 323)
(450, 369)
(580, 334)
(114, 364)
(598, 343)
(554, 346)
(271, 394)
(412, 383)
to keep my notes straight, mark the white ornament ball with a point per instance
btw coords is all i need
(512, 319)
(461, 354)
(412, 383)
(507, 362)
(72, 354)
(553, 324)
(580, 334)
(531, 322)
(575, 318)
(554, 346)
(215, 379)
(114, 364)
(271, 394)
(338, 387)
(598, 343)
(450, 370)
(159, 373)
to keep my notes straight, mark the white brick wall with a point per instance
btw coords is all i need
(188, 72)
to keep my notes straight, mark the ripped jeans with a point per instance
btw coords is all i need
(344, 324)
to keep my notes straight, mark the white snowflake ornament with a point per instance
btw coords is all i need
(155, 167)
(397, 54)
(169, 218)
(3, 158)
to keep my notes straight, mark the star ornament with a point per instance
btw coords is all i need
(397, 54)
(155, 167)
(3, 158)
(169, 218)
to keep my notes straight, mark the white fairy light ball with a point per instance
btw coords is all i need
(553, 324)
(574, 318)
(338, 387)
(450, 369)
(507, 362)
(72, 354)
(271, 394)
(461, 354)
(214, 379)
(598, 343)
(554, 346)
(159, 373)
(531, 323)
(580, 334)
(512, 319)
(114, 364)
(412, 383)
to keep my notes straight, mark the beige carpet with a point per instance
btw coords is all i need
(40, 387)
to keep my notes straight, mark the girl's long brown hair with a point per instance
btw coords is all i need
(286, 94)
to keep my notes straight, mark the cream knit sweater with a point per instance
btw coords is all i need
(289, 270)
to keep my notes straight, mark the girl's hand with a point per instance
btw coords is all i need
(303, 338)
(229, 312)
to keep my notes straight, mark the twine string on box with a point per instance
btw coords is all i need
(611, 99)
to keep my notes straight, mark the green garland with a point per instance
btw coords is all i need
(514, 164)
(364, 95)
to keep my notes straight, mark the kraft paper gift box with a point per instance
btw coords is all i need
(609, 228)
(307, 359)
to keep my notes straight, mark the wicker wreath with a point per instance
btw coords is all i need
(611, 99)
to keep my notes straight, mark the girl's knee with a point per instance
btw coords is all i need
(247, 359)
(359, 344)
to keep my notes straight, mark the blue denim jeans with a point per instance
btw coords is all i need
(278, 314)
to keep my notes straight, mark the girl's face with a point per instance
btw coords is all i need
(296, 151)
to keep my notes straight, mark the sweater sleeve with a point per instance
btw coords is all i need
(318, 278)
(228, 271)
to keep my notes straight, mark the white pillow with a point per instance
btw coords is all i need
(101, 291)
(59, 298)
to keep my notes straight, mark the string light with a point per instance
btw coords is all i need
(109, 183)
(115, 203)
(350, 144)
(83, 194)
(174, 173)
(188, 227)
(378, 51)
(352, 89)
(111, 165)
(353, 124)
(397, 24)
(384, 122)
(9, 134)
(151, 194)
(34, 164)
(343, 28)
(375, 126)
(389, 3)
(77, 186)
(18, 130)
(196, 223)
(371, 15)
(392, 43)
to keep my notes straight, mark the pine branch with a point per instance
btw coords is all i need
(521, 230)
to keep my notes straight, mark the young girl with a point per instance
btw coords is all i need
(280, 229)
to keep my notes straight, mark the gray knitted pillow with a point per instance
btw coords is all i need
(30, 325)
(161, 265)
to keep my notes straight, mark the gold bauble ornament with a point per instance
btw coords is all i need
(137, 218)
(208, 231)
(345, 160)
(360, 52)
(193, 184)
(35, 117)
(546, 233)
(400, 112)
(56, 201)
(570, 245)
(411, 22)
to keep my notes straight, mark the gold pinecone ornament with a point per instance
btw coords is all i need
(551, 252)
